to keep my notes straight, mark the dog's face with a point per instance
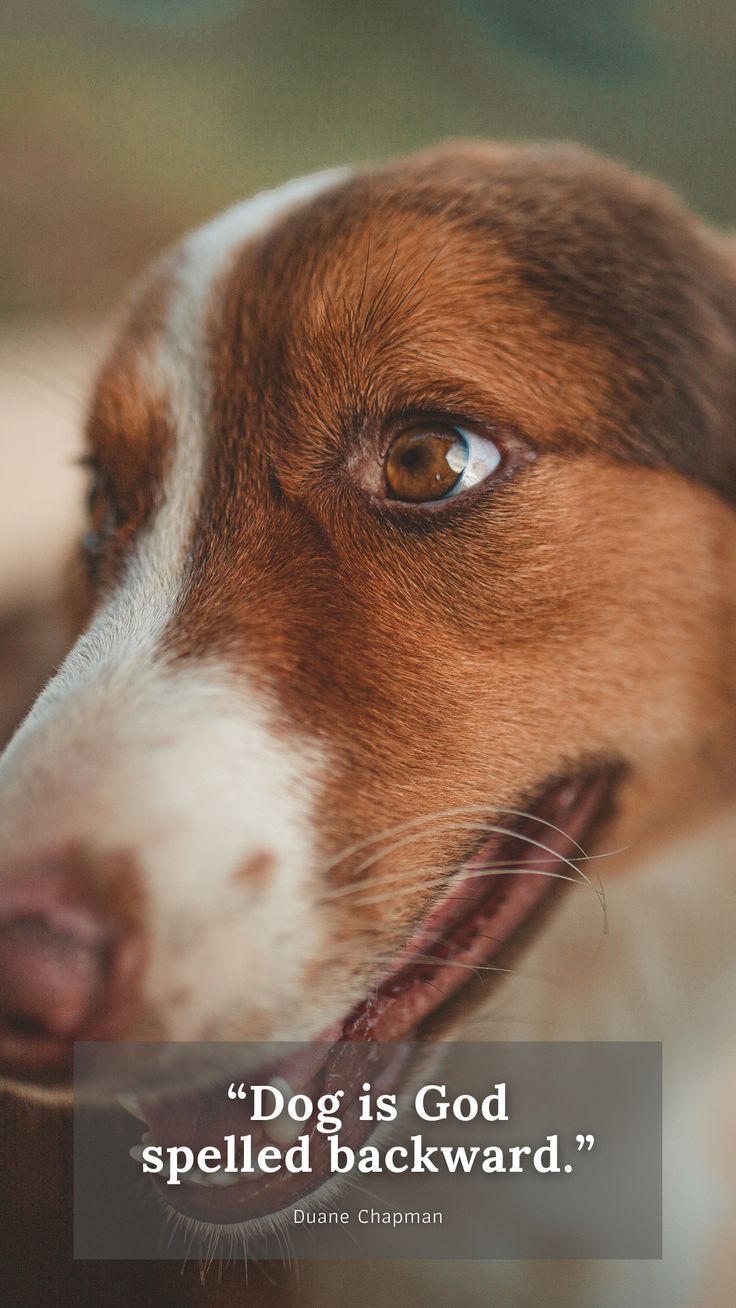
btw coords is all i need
(409, 514)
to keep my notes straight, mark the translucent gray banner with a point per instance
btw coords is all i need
(362, 1150)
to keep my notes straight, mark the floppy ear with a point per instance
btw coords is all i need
(679, 404)
(723, 288)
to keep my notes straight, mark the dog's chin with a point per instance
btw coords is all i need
(465, 944)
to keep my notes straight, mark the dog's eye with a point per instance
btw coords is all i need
(434, 461)
(102, 517)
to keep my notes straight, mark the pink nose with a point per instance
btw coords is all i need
(62, 967)
(51, 977)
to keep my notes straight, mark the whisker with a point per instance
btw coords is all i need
(400, 876)
(427, 819)
(484, 828)
(61, 401)
(397, 883)
(359, 306)
(394, 308)
(470, 967)
(384, 288)
(368, 900)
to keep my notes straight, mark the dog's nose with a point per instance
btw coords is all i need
(51, 977)
(61, 966)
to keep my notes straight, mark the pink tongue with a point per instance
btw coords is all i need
(402, 1002)
(201, 1119)
(459, 937)
(482, 913)
(409, 996)
(196, 1119)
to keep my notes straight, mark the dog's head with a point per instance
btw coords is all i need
(408, 560)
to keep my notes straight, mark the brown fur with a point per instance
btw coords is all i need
(130, 432)
(578, 611)
(530, 628)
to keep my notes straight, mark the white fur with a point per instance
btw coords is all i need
(664, 971)
(190, 753)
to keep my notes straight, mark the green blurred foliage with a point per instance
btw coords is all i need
(600, 36)
(122, 122)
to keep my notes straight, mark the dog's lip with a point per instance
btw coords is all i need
(478, 920)
(453, 939)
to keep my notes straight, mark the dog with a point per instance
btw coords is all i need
(409, 556)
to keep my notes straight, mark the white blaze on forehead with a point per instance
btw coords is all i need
(177, 371)
(181, 360)
(127, 627)
(178, 765)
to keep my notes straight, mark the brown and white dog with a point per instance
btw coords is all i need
(411, 555)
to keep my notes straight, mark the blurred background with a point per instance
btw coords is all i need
(123, 122)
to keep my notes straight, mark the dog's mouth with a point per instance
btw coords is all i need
(472, 936)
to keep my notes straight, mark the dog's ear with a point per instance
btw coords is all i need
(722, 294)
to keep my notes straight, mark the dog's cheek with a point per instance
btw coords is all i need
(631, 655)
(601, 629)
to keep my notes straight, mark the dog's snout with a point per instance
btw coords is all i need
(50, 977)
(66, 972)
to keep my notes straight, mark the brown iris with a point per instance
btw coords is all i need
(425, 463)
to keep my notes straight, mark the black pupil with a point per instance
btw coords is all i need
(417, 457)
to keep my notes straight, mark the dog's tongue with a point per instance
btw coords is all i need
(205, 1117)
(461, 936)
(482, 913)
(456, 937)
